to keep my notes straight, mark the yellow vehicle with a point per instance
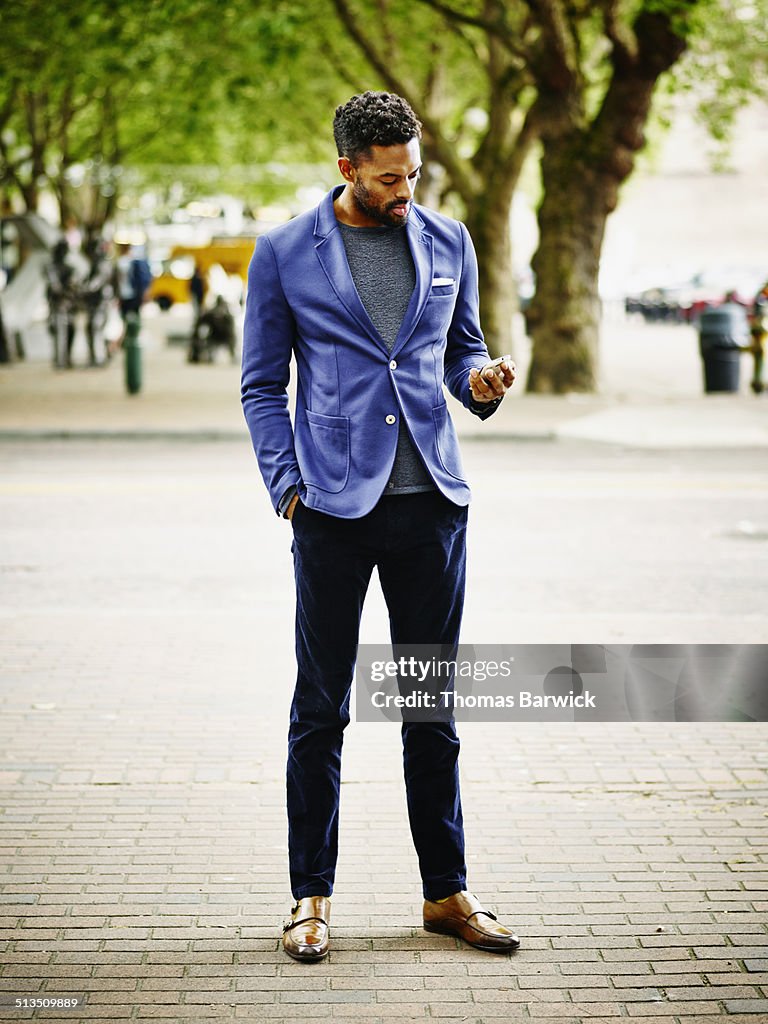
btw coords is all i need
(172, 283)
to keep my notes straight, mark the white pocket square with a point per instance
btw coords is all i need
(442, 280)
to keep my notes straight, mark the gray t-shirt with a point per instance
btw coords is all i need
(382, 268)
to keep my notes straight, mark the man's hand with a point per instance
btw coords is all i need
(488, 386)
(291, 506)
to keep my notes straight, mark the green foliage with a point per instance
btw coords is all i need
(726, 65)
(90, 86)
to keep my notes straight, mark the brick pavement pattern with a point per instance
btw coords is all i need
(145, 637)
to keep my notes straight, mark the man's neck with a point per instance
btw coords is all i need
(348, 212)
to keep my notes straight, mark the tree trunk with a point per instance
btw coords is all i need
(564, 316)
(487, 220)
(583, 165)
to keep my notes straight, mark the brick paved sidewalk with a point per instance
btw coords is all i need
(143, 844)
(143, 706)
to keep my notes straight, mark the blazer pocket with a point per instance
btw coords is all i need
(447, 442)
(325, 462)
(438, 290)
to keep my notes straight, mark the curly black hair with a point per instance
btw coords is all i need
(373, 119)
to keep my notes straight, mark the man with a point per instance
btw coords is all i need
(377, 299)
(214, 327)
(97, 293)
(132, 278)
(758, 328)
(62, 291)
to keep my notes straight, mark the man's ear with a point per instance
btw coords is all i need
(346, 169)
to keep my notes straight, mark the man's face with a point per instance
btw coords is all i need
(384, 182)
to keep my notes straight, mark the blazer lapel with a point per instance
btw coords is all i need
(423, 261)
(333, 259)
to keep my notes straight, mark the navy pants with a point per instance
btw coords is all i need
(418, 543)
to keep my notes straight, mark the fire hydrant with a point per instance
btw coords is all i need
(757, 349)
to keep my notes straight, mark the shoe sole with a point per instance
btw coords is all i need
(476, 945)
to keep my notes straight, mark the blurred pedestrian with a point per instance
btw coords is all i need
(214, 327)
(132, 278)
(73, 234)
(62, 291)
(5, 352)
(97, 293)
(197, 290)
(758, 326)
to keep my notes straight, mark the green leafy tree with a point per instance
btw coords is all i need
(82, 85)
(92, 88)
(580, 78)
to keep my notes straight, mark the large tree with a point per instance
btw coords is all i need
(594, 68)
(580, 77)
(596, 71)
(82, 86)
(597, 67)
(91, 88)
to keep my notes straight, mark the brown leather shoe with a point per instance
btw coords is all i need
(462, 914)
(307, 936)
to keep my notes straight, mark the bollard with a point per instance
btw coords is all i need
(132, 348)
(757, 348)
(60, 340)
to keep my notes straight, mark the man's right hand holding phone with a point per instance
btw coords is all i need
(493, 381)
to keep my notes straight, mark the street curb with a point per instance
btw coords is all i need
(43, 434)
(62, 434)
(222, 436)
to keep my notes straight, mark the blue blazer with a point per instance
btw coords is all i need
(351, 391)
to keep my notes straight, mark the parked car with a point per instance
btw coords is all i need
(684, 301)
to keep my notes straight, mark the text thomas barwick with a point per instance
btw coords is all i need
(449, 699)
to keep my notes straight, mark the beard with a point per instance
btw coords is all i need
(381, 212)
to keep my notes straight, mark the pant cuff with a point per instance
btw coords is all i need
(443, 890)
(312, 890)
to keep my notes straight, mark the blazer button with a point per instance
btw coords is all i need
(393, 365)
(390, 419)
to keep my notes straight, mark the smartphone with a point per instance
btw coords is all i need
(496, 365)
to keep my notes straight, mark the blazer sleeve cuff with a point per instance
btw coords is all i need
(484, 409)
(285, 501)
(279, 491)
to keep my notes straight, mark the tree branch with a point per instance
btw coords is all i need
(560, 68)
(386, 29)
(515, 157)
(621, 35)
(476, 20)
(494, 28)
(459, 171)
(617, 131)
(381, 65)
(339, 65)
(10, 104)
(458, 30)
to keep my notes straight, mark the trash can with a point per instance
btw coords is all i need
(723, 331)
